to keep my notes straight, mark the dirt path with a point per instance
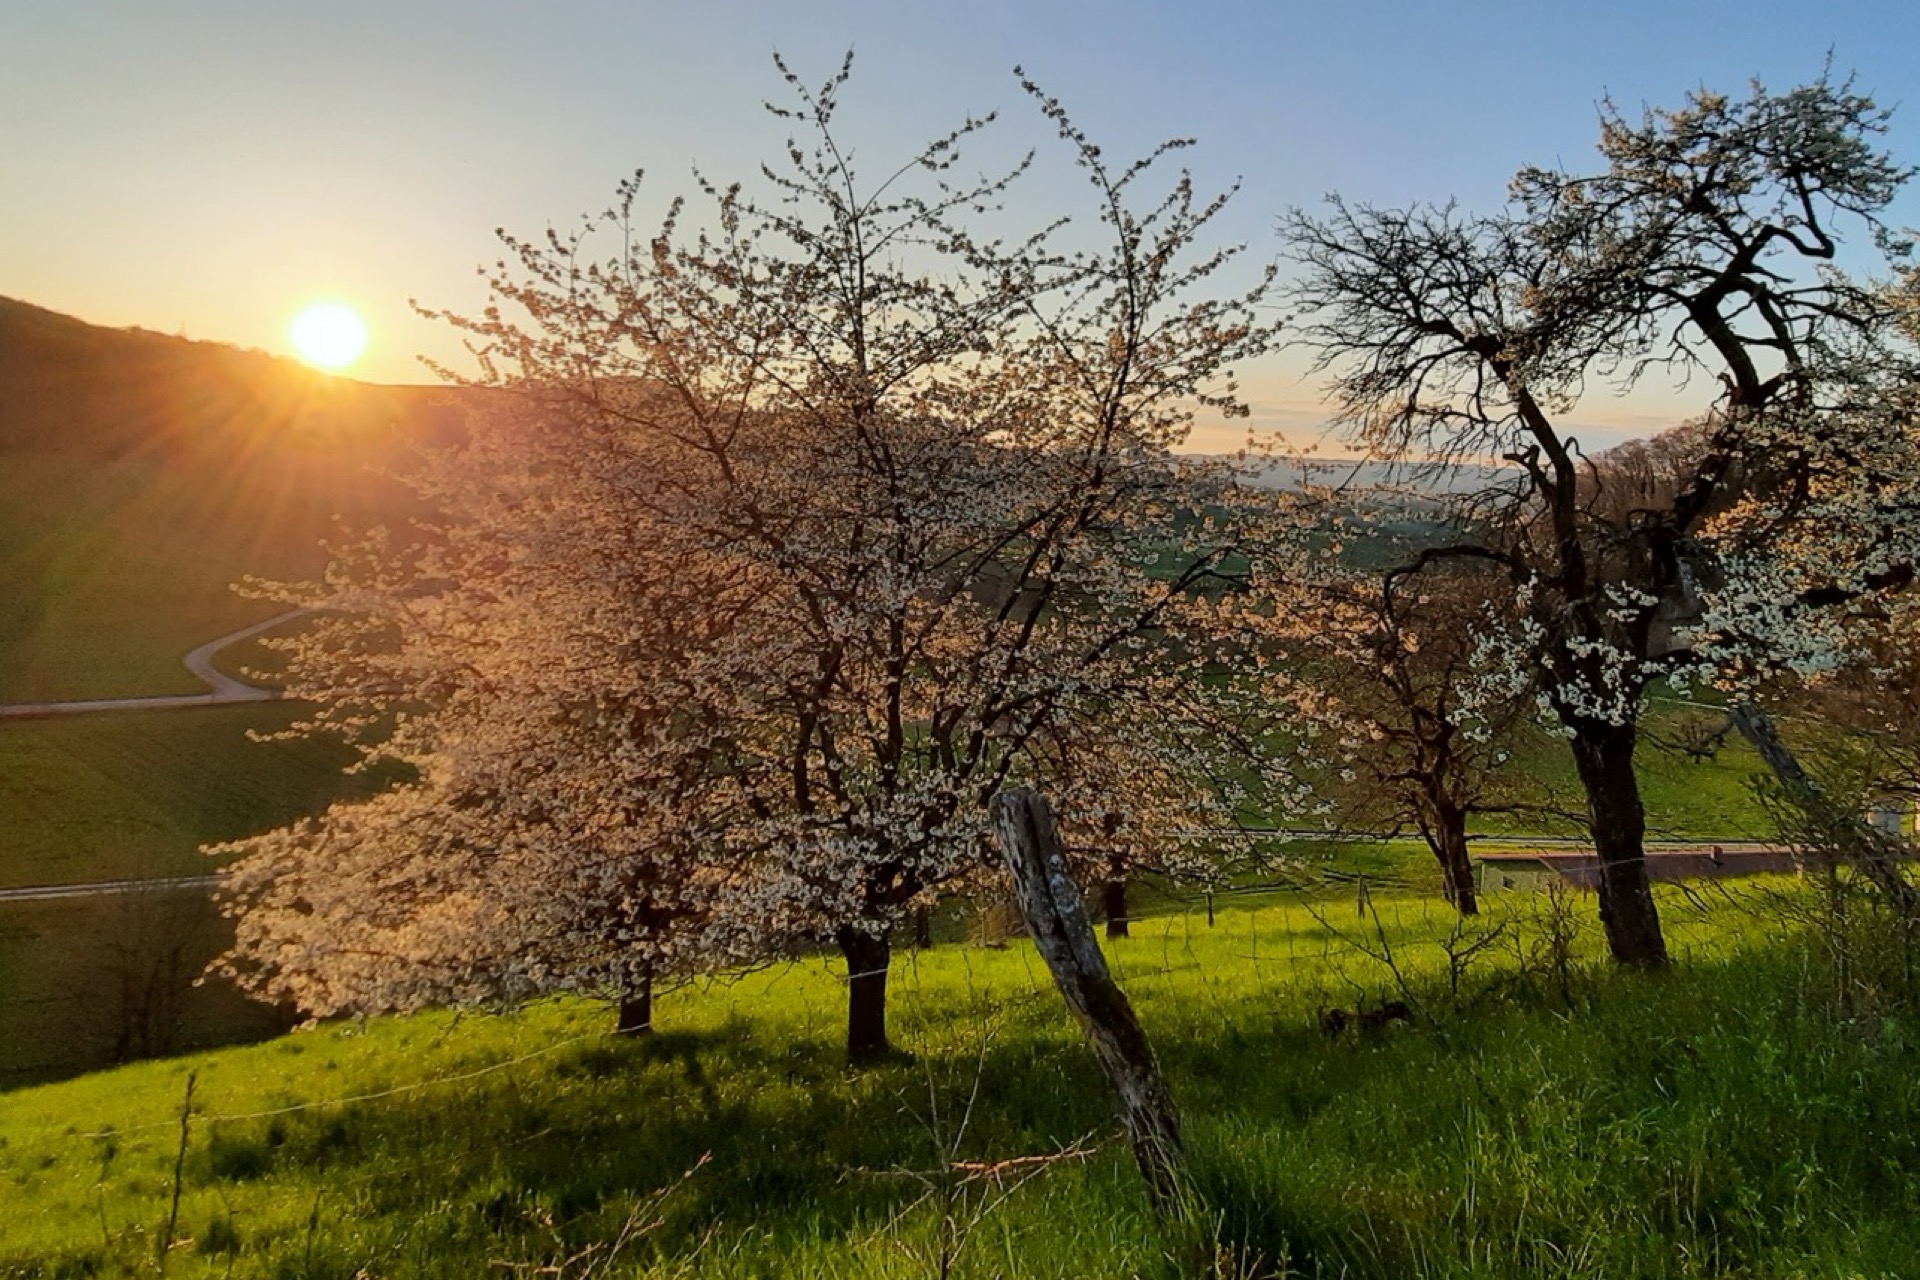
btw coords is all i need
(222, 687)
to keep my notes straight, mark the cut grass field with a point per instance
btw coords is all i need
(112, 584)
(135, 794)
(114, 569)
(123, 794)
(1728, 1119)
(1688, 797)
(86, 983)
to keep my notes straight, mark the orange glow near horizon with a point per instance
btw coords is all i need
(329, 335)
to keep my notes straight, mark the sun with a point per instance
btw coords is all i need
(328, 334)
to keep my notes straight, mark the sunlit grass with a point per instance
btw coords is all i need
(125, 794)
(1722, 1120)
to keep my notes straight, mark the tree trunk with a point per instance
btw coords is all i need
(923, 928)
(635, 1017)
(1057, 921)
(1447, 836)
(867, 957)
(1603, 754)
(1113, 904)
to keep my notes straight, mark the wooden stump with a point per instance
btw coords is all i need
(1056, 918)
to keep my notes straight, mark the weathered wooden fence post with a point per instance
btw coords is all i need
(1057, 921)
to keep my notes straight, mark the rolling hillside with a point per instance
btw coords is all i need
(1529, 1123)
(142, 475)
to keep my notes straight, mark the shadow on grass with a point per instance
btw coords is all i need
(1729, 1118)
(789, 1143)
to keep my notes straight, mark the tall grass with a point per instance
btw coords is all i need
(1727, 1119)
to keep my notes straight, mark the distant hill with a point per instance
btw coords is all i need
(141, 475)
(74, 388)
(1359, 475)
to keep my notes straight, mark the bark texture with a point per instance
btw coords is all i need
(1603, 754)
(867, 957)
(1113, 905)
(635, 1016)
(1056, 919)
(1446, 832)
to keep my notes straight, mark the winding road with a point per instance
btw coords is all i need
(222, 688)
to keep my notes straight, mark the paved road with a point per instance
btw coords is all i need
(105, 888)
(222, 688)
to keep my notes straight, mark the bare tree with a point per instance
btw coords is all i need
(1707, 247)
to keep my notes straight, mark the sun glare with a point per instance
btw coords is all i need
(328, 334)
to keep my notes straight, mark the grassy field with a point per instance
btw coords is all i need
(136, 795)
(114, 569)
(1688, 797)
(142, 475)
(132, 794)
(1743, 1116)
(112, 586)
(126, 794)
(87, 983)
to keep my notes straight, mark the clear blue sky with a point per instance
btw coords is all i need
(207, 166)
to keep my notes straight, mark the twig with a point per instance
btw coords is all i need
(179, 1165)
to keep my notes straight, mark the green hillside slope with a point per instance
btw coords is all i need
(141, 476)
(134, 794)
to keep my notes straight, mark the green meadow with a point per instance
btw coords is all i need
(1687, 796)
(141, 476)
(1755, 1112)
(115, 569)
(112, 585)
(138, 794)
(134, 795)
(115, 795)
(87, 983)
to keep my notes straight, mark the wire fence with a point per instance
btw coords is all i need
(1314, 924)
(1319, 963)
(73, 1013)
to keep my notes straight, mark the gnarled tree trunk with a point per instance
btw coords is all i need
(867, 956)
(1603, 754)
(1113, 904)
(1445, 827)
(1056, 919)
(635, 1017)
